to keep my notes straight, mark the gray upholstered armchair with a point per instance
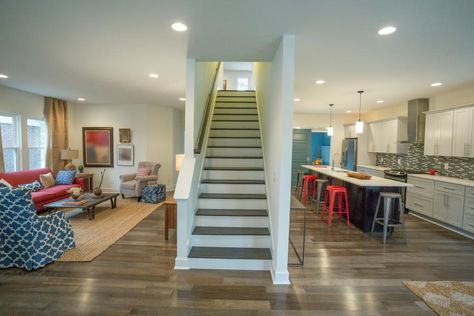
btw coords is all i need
(132, 186)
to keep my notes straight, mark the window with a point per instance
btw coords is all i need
(9, 125)
(242, 84)
(37, 139)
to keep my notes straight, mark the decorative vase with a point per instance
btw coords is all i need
(81, 169)
(97, 191)
(75, 195)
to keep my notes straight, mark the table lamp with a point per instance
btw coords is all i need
(69, 155)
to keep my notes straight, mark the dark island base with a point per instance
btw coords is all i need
(362, 204)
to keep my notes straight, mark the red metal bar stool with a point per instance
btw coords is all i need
(333, 191)
(309, 187)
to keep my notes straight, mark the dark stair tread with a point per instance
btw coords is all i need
(224, 146)
(234, 129)
(231, 212)
(234, 90)
(230, 253)
(234, 157)
(246, 137)
(234, 168)
(234, 108)
(211, 230)
(236, 96)
(232, 181)
(236, 196)
(254, 114)
(253, 121)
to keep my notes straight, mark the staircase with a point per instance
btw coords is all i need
(231, 224)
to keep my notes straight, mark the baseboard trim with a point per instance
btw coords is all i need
(181, 264)
(281, 277)
(435, 222)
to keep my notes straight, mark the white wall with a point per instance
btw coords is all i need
(232, 76)
(205, 71)
(153, 134)
(460, 96)
(275, 84)
(27, 105)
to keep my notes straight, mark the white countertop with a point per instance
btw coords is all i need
(340, 174)
(465, 182)
(374, 167)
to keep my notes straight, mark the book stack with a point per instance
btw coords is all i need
(75, 203)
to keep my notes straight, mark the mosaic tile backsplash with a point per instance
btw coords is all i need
(416, 160)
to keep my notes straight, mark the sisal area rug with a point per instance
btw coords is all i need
(454, 298)
(95, 236)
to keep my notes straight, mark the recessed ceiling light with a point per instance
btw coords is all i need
(3, 76)
(436, 84)
(297, 99)
(179, 27)
(320, 82)
(348, 111)
(81, 99)
(154, 76)
(387, 30)
(182, 99)
(380, 101)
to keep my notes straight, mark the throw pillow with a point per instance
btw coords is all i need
(47, 180)
(65, 177)
(5, 184)
(143, 172)
(33, 186)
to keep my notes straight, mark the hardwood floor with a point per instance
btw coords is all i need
(346, 273)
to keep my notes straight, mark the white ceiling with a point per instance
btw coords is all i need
(103, 50)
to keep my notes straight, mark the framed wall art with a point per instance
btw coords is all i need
(125, 155)
(97, 146)
(125, 135)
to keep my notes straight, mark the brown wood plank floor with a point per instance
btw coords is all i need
(345, 273)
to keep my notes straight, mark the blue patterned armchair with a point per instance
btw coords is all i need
(27, 240)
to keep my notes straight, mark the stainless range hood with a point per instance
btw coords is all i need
(416, 120)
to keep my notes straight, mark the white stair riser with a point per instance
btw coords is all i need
(233, 188)
(235, 133)
(246, 152)
(225, 174)
(235, 111)
(235, 124)
(233, 204)
(236, 98)
(216, 162)
(234, 142)
(235, 117)
(231, 241)
(223, 93)
(232, 221)
(230, 264)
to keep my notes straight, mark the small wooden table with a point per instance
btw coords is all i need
(88, 180)
(89, 206)
(170, 215)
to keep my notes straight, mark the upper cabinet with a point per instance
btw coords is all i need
(439, 133)
(387, 136)
(463, 132)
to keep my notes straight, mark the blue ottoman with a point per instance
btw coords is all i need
(155, 193)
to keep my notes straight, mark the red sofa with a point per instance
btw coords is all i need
(45, 196)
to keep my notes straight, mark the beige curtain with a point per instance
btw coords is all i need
(55, 112)
(2, 163)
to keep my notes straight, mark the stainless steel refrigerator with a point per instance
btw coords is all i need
(349, 154)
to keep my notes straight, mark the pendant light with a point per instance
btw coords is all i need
(359, 123)
(330, 128)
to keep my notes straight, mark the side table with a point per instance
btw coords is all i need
(88, 180)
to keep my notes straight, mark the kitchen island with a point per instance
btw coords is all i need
(363, 194)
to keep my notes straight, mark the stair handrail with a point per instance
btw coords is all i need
(205, 118)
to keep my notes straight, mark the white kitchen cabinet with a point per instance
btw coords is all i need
(386, 136)
(449, 203)
(350, 131)
(463, 132)
(439, 133)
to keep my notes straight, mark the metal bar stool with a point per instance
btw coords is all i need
(299, 182)
(309, 187)
(320, 183)
(332, 191)
(389, 219)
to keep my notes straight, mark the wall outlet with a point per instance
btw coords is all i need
(446, 165)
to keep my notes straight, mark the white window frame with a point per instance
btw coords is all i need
(18, 139)
(27, 145)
